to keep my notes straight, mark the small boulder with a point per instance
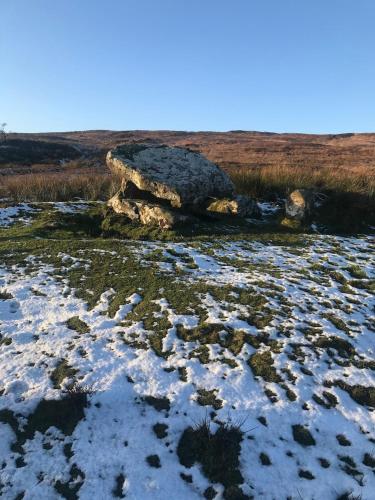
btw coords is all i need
(182, 177)
(240, 205)
(299, 205)
(146, 212)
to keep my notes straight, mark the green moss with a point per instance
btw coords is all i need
(75, 323)
(361, 394)
(205, 333)
(5, 340)
(208, 398)
(329, 401)
(342, 346)
(261, 364)
(202, 353)
(337, 322)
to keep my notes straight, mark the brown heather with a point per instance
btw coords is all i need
(260, 182)
(58, 187)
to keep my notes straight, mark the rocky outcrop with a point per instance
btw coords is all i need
(180, 176)
(240, 205)
(299, 204)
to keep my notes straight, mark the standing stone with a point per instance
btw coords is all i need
(299, 204)
(184, 178)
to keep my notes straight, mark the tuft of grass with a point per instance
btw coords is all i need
(160, 404)
(369, 460)
(182, 373)
(356, 272)
(348, 495)
(61, 372)
(302, 435)
(324, 463)
(69, 490)
(264, 459)
(160, 430)
(153, 461)
(217, 452)
(4, 295)
(118, 489)
(343, 440)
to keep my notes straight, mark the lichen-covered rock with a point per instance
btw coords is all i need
(182, 177)
(299, 204)
(240, 205)
(146, 212)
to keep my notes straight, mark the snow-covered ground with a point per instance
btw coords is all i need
(20, 213)
(309, 308)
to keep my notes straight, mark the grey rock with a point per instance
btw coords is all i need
(184, 178)
(240, 205)
(299, 204)
(146, 212)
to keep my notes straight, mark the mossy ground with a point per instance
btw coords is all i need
(230, 321)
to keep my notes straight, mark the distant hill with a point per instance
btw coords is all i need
(228, 149)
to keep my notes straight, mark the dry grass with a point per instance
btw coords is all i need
(58, 187)
(265, 182)
(348, 187)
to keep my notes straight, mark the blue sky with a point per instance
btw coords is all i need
(275, 65)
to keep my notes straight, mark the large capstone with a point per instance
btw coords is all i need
(180, 176)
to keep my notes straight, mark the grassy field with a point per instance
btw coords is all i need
(230, 363)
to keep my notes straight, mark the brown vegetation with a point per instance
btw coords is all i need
(58, 187)
(263, 165)
(264, 182)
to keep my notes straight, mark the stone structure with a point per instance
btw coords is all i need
(164, 185)
(177, 175)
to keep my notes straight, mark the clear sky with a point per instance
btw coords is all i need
(274, 65)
